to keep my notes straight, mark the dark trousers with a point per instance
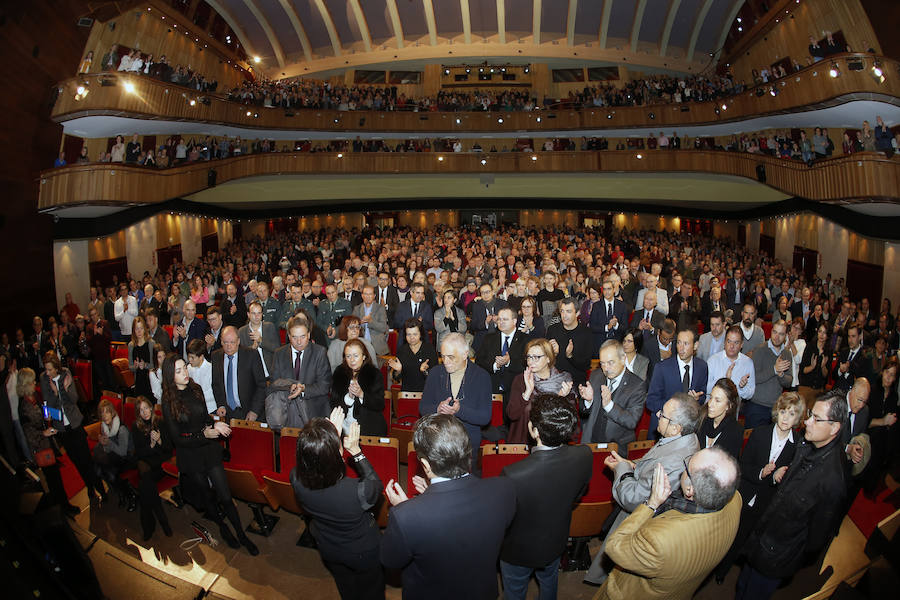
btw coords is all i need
(56, 492)
(148, 496)
(358, 576)
(211, 498)
(753, 585)
(74, 441)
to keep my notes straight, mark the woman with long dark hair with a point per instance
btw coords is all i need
(194, 434)
(414, 359)
(357, 388)
(718, 421)
(152, 447)
(344, 529)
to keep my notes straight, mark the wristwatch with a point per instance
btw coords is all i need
(358, 457)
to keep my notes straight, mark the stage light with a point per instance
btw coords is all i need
(129, 87)
(340, 155)
(533, 157)
(483, 162)
(440, 159)
(834, 71)
(639, 156)
(500, 120)
(257, 59)
(193, 103)
(249, 113)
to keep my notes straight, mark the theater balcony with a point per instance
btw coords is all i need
(145, 105)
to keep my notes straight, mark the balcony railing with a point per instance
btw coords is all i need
(858, 177)
(140, 97)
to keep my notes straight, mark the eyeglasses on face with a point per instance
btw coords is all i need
(811, 415)
(534, 357)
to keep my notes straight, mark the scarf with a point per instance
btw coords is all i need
(553, 383)
(112, 430)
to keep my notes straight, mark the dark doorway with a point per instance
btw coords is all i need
(767, 244)
(806, 261)
(865, 280)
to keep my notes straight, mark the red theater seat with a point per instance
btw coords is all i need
(392, 341)
(747, 433)
(84, 373)
(406, 411)
(252, 446)
(384, 456)
(495, 457)
(413, 468)
(639, 448)
(643, 426)
(596, 504)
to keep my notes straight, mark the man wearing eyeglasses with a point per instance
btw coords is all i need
(671, 542)
(677, 422)
(807, 508)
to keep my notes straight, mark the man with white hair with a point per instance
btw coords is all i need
(671, 542)
(189, 328)
(651, 285)
(459, 387)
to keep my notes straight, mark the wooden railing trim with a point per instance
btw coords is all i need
(863, 175)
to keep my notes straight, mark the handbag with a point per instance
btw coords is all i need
(45, 457)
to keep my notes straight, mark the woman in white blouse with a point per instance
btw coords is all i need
(635, 362)
(764, 461)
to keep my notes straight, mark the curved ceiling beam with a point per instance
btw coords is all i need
(726, 26)
(695, 32)
(395, 21)
(329, 26)
(232, 22)
(501, 21)
(298, 28)
(466, 21)
(264, 23)
(536, 22)
(636, 25)
(604, 22)
(429, 18)
(570, 22)
(667, 28)
(362, 24)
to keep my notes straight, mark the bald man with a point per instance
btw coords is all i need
(670, 543)
(189, 328)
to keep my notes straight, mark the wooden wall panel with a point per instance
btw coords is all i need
(864, 175)
(155, 99)
(790, 37)
(144, 31)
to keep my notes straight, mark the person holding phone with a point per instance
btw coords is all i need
(38, 432)
(61, 402)
(194, 434)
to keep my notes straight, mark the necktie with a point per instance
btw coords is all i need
(686, 380)
(647, 315)
(384, 296)
(613, 385)
(229, 384)
(608, 311)
(415, 309)
(505, 348)
(851, 356)
(297, 362)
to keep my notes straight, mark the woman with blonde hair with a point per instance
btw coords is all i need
(141, 352)
(39, 434)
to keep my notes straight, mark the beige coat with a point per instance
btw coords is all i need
(668, 556)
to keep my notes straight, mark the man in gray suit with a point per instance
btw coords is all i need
(306, 363)
(621, 396)
(634, 479)
(260, 336)
(373, 318)
(713, 341)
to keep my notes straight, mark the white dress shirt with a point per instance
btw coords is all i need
(718, 366)
(202, 376)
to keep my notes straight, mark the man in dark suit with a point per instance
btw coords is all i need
(608, 317)
(647, 318)
(658, 346)
(680, 373)
(502, 353)
(213, 336)
(857, 421)
(571, 341)
(736, 291)
(189, 328)
(803, 307)
(307, 363)
(621, 396)
(852, 360)
(413, 307)
(386, 295)
(484, 314)
(240, 388)
(447, 540)
(234, 309)
(548, 484)
(347, 292)
(159, 335)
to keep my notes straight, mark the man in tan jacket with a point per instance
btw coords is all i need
(670, 543)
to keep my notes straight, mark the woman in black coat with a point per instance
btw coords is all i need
(358, 388)
(152, 447)
(195, 436)
(883, 429)
(339, 506)
(414, 359)
(719, 425)
(764, 462)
